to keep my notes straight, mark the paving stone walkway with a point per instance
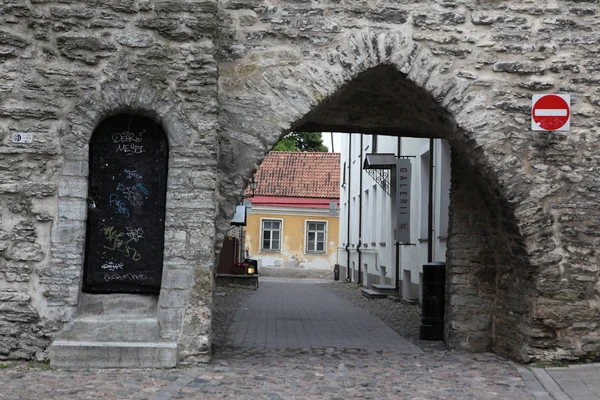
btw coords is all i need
(291, 315)
(260, 372)
(576, 382)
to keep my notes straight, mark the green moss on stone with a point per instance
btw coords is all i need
(246, 69)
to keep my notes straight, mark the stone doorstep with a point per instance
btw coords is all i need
(372, 294)
(113, 331)
(118, 304)
(387, 289)
(396, 298)
(82, 354)
(112, 341)
(409, 302)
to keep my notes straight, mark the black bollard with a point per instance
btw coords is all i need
(432, 317)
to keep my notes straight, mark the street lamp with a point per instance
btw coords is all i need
(253, 185)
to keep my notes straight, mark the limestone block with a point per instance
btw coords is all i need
(68, 275)
(87, 49)
(73, 187)
(177, 278)
(170, 321)
(135, 39)
(75, 210)
(173, 298)
(25, 251)
(67, 253)
(65, 231)
(75, 168)
(7, 38)
(17, 312)
(15, 271)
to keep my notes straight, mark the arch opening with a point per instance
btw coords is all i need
(490, 283)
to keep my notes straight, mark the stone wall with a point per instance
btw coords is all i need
(64, 67)
(490, 281)
(227, 79)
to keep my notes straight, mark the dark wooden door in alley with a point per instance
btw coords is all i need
(126, 206)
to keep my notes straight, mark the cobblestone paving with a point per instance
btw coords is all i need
(251, 373)
(402, 318)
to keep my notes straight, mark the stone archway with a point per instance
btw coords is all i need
(226, 79)
(387, 84)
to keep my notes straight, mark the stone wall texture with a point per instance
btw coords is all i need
(226, 79)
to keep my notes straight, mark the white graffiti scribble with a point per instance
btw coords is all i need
(135, 233)
(123, 277)
(112, 266)
(128, 137)
(131, 194)
(130, 149)
(132, 174)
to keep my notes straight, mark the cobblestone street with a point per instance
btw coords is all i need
(301, 373)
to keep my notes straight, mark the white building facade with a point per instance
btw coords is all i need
(368, 252)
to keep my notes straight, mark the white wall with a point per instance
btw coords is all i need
(378, 214)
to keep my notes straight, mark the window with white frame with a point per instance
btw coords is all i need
(316, 236)
(271, 235)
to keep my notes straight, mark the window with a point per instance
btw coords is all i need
(374, 144)
(271, 235)
(316, 236)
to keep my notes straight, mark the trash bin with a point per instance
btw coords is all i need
(336, 272)
(434, 291)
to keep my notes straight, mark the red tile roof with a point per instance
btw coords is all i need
(288, 174)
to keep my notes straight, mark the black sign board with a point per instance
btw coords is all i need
(126, 206)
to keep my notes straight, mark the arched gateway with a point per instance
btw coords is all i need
(225, 80)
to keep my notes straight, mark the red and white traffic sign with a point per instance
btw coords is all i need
(550, 112)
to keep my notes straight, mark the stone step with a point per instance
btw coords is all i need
(384, 288)
(81, 354)
(114, 341)
(118, 304)
(372, 294)
(113, 331)
(410, 302)
(396, 298)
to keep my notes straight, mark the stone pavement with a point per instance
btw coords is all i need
(577, 382)
(289, 315)
(261, 372)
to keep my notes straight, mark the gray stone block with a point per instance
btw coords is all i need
(78, 354)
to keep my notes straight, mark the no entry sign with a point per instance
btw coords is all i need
(550, 112)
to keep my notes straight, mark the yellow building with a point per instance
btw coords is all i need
(293, 226)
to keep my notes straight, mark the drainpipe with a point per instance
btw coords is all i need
(348, 275)
(397, 285)
(430, 206)
(360, 212)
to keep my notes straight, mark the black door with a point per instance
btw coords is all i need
(126, 206)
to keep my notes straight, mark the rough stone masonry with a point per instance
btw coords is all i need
(226, 79)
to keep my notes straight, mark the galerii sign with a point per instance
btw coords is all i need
(550, 112)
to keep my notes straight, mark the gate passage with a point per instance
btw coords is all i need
(126, 206)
